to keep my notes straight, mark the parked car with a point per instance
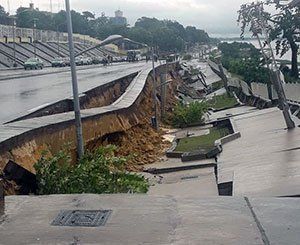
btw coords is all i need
(33, 63)
(86, 61)
(79, 61)
(67, 61)
(58, 62)
(96, 60)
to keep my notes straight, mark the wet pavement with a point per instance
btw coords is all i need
(265, 160)
(21, 95)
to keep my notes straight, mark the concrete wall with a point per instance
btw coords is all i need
(292, 90)
(260, 90)
(27, 35)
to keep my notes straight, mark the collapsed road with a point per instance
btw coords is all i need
(22, 95)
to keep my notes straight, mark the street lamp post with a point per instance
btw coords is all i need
(57, 33)
(14, 34)
(34, 35)
(78, 123)
(14, 40)
(154, 81)
(113, 38)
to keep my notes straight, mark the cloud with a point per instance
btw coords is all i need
(215, 16)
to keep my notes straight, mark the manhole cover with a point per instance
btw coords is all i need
(85, 218)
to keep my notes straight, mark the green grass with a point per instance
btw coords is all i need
(190, 144)
(217, 85)
(289, 79)
(222, 101)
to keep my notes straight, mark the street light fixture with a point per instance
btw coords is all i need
(106, 41)
(13, 18)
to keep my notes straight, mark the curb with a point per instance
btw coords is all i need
(179, 168)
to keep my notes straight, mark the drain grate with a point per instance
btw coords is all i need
(83, 218)
(190, 177)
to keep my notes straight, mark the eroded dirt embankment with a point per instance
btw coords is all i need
(128, 127)
(141, 143)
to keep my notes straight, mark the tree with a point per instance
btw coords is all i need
(283, 27)
(141, 35)
(88, 15)
(150, 24)
(59, 21)
(165, 34)
(26, 16)
(3, 16)
(245, 60)
(2, 11)
(286, 32)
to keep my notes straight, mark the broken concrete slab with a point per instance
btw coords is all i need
(265, 159)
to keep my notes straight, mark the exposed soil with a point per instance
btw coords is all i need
(141, 144)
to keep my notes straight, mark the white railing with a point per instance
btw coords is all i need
(42, 35)
(291, 90)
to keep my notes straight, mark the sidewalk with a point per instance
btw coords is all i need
(265, 161)
(155, 220)
(183, 207)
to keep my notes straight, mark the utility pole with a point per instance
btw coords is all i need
(223, 75)
(268, 66)
(163, 90)
(14, 40)
(154, 91)
(78, 124)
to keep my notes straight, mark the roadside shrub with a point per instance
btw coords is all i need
(97, 172)
(187, 57)
(187, 115)
(222, 101)
(244, 60)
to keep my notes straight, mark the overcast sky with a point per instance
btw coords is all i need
(215, 16)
